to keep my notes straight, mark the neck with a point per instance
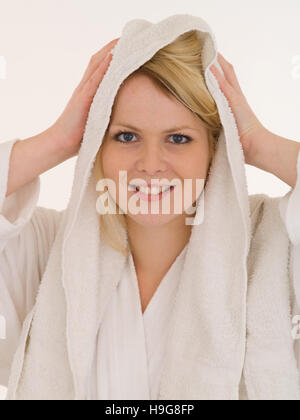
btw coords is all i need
(154, 249)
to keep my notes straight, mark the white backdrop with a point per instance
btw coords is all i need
(46, 46)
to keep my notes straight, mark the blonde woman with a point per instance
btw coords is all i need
(130, 305)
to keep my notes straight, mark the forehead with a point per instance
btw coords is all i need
(139, 86)
(141, 101)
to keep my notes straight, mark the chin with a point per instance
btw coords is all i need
(153, 220)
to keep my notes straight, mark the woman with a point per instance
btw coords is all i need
(149, 306)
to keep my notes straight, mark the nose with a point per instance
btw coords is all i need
(152, 159)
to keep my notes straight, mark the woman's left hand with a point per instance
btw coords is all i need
(262, 148)
(251, 131)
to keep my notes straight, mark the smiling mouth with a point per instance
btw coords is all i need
(153, 192)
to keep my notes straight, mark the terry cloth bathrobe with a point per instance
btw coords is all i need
(220, 324)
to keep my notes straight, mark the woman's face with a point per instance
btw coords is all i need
(152, 149)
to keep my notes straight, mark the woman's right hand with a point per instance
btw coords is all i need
(69, 127)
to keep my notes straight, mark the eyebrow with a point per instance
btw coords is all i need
(171, 130)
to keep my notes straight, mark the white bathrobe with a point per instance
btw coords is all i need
(128, 358)
(223, 314)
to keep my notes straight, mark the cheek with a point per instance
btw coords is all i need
(197, 166)
(195, 173)
(113, 162)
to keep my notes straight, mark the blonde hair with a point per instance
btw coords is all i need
(177, 70)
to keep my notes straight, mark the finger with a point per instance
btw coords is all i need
(229, 72)
(95, 60)
(91, 86)
(107, 48)
(225, 86)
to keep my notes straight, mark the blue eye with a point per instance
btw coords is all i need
(128, 135)
(178, 135)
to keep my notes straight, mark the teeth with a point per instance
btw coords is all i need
(153, 191)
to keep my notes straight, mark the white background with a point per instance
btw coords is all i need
(47, 44)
